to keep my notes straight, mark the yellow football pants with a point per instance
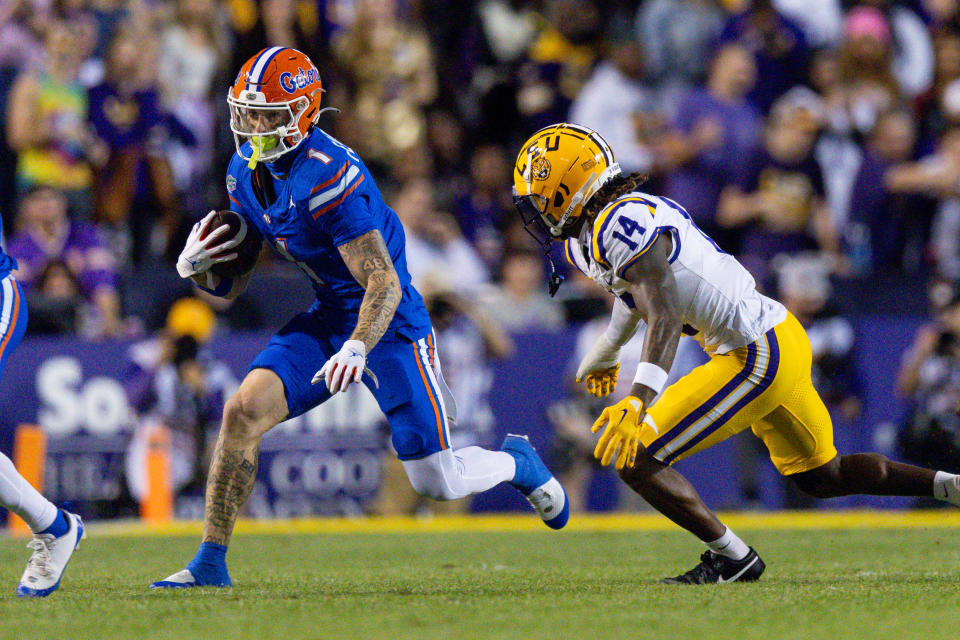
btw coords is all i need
(766, 386)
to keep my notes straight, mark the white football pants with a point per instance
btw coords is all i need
(455, 473)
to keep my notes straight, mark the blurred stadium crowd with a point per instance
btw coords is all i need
(817, 140)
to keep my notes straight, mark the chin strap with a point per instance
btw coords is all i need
(555, 278)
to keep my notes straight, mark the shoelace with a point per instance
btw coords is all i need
(705, 571)
(40, 559)
(714, 560)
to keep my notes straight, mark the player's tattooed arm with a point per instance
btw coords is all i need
(654, 290)
(369, 261)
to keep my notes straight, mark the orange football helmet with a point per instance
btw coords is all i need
(274, 102)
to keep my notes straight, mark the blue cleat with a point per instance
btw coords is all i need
(184, 579)
(535, 481)
(49, 560)
(207, 569)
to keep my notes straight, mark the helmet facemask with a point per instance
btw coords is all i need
(271, 129)
(532, 209)
(544, 229)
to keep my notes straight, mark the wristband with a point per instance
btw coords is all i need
(650, 375)
(222, 289)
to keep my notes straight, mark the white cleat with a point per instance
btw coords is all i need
(550, 502)
(534, 480)
(49, 560)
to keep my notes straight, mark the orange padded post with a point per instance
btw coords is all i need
(29, 457)
(157, 504)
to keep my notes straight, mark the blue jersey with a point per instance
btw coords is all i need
(7, 264)
(326, 198)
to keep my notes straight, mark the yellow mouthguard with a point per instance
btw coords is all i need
(259, 144)
(255, 144)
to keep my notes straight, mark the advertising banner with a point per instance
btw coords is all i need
(328, 460)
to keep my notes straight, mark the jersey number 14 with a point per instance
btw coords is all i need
(630, 227)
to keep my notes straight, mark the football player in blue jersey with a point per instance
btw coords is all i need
(314, 201)
(56, 533)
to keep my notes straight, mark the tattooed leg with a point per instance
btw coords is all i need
(232, 474)
(257, 406)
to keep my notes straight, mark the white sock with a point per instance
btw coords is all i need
(449, 474)
(946, 487)
(729, 545)
(482, 469)
(19, 496)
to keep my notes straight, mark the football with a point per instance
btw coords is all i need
(247, 251)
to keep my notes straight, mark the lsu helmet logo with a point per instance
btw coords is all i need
(540, 168)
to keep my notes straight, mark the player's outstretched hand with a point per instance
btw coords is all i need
(202, 250)
(603, 382)
(622, 432)
(600, 367)
(343, 367)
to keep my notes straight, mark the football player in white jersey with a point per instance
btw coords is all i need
(664, 271)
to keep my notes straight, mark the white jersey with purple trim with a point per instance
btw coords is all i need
(719, 301)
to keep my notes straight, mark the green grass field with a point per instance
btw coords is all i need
(464, 578)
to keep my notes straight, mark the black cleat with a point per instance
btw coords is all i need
(716, 568)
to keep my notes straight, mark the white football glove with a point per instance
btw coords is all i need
(602, 355)
(199, 255)
(344, 367)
